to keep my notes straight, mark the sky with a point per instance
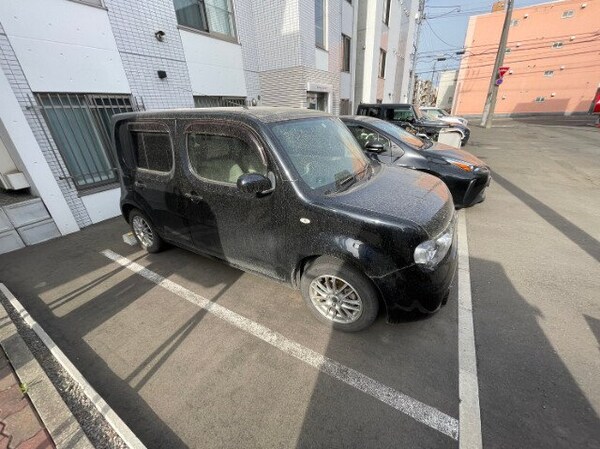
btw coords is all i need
(443, 31)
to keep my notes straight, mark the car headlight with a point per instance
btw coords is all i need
(460, 164)
(431, 252)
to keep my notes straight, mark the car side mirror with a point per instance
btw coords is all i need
(374, 147)
(253, 183)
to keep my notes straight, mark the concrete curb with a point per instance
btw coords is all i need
(54, 413)
(128, 437)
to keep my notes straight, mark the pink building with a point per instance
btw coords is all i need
(553, 53)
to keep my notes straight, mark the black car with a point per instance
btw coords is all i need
(289, 193)
(465, 175)
(411, 118)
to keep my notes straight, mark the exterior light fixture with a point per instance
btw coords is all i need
(553, 94)
(160, 35)
(161, 74)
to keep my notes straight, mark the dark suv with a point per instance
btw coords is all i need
(288, 193)
(407, 116)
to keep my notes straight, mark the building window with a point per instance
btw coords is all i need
(382, 55)
(514, 22)
(386, 11)
(346, 45)
(557, 45)
(192, 14)
(81, 128)
(549, 73)
(568, 14)
(211, 16)
(320, 23)
(205, 101)
(540, 99)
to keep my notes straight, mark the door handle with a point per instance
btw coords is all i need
(193, 197)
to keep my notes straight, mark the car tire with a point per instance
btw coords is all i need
(339, 295)
(144, 232)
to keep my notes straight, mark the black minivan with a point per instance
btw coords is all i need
(289, 193)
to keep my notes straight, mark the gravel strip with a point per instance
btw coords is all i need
(99, 432)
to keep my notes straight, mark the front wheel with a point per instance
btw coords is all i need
(144, 232)
(339, 295)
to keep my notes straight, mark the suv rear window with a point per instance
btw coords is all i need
(399, 114)
(153, 150)
(368, 111)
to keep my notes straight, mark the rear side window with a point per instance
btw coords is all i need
(222, 159)
(369, 112)
(401, 115)
(152, 147)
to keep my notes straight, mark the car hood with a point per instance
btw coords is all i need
(398, 195)
(440, 150)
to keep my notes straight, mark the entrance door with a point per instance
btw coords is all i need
(240, 228)
(317, 100)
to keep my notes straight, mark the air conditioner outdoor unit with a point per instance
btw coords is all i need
(14, 181)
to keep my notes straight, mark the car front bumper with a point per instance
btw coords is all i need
(416, 288)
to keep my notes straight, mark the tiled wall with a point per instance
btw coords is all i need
(143, 55)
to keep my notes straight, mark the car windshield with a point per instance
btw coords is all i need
(323, 152)
(400, 134)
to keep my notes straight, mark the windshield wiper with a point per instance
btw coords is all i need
(349, 180)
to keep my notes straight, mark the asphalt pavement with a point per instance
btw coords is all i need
(180, 376)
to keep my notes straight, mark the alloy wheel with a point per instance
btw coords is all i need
(335, 299)
(143, 231)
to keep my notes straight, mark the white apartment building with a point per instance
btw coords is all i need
(385, 49)
(66, 66)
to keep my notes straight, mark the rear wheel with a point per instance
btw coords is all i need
(144, 232)
(339, 295)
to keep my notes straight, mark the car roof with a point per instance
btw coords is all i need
(259, 113)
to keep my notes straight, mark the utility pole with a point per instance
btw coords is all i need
(420, 17)
(490, 101)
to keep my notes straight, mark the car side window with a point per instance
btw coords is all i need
(152, 148)
(400, 115)
(366, 135)
(222, 159)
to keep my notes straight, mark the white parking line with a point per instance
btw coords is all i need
(422, 413)
(468, 384)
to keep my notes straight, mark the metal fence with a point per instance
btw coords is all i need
(80, 125)
(219, 102)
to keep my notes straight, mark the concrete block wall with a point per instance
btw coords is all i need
(24, 95)
(134, 26)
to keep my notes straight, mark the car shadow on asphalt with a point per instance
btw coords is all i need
(574, 233)
(55, 269)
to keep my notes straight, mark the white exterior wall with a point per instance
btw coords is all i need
(446, 87)
(215, 66)
(64, 46)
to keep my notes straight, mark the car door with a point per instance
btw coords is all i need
(365, 135)
(155, 184)
(224, 222)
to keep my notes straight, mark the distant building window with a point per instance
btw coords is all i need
(540, 99)
(320, 23)
(557, 45)
(382, 55)
(386, 11)
(514, 22)
(549, 73)
(568, 14)
(211, 16)
(346, 45)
